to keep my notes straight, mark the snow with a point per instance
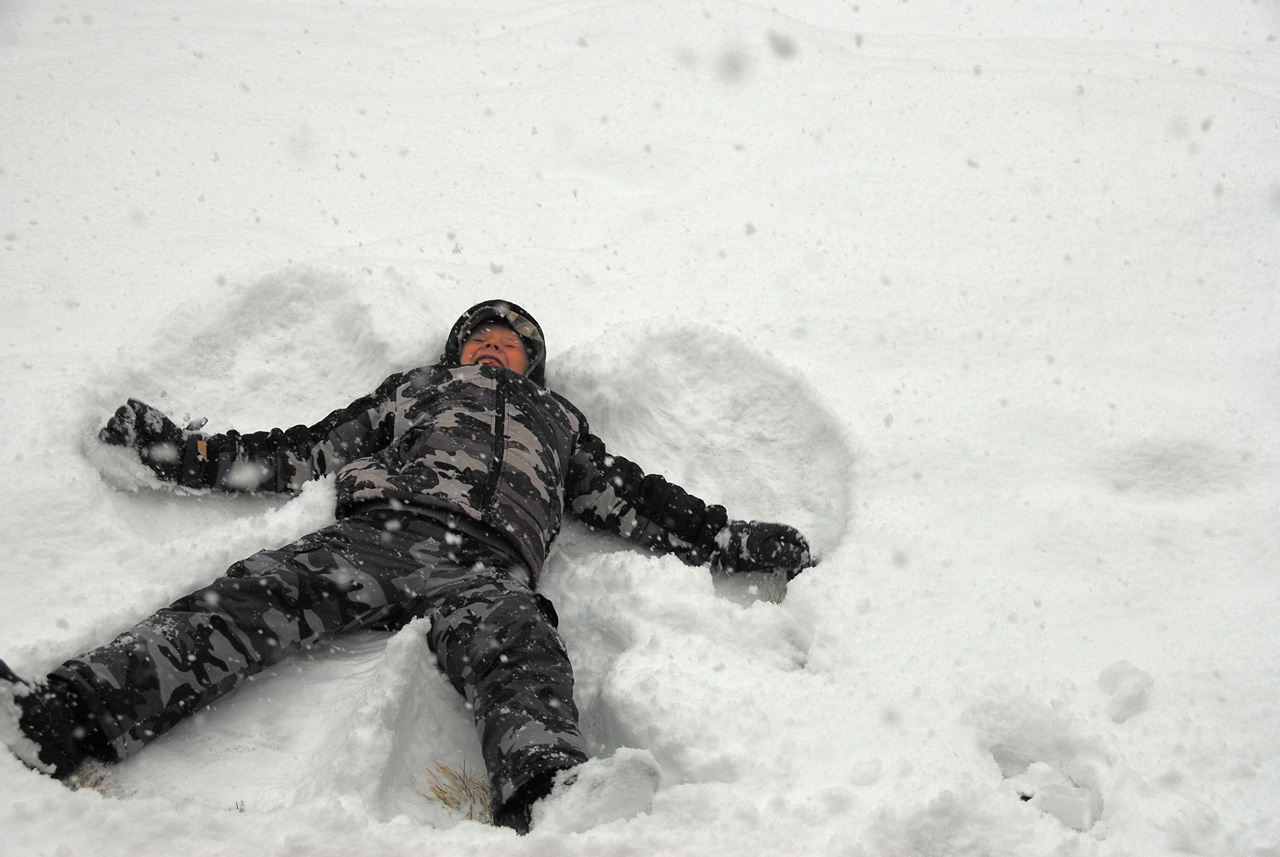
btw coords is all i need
(984, 298)
(599, 791)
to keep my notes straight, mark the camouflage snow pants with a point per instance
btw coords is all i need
(493, 636)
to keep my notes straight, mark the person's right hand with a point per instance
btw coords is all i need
(158, 440)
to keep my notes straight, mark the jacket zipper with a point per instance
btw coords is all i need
(499, 447)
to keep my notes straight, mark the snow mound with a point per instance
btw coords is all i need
(278, 348)
(599, 792)
(1128, 687)
(720, 417)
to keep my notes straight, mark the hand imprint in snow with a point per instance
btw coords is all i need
(724, 420)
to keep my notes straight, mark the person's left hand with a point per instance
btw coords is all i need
(761, 546)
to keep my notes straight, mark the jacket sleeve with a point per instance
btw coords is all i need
(611, 493)
(283, 460)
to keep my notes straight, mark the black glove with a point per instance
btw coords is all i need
(760, 546)
(159, 441)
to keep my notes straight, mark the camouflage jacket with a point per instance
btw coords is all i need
(478, 441)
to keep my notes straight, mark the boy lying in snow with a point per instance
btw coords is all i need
(451, 482)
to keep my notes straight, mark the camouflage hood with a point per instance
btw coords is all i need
(500, 312)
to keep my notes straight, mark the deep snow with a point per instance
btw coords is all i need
(984, 300)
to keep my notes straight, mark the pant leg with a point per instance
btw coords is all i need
(206, 644)
(493, 636)
(498, 643)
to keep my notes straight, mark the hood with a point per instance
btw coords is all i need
(502, 312)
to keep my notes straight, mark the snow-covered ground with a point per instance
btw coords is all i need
(987, 301)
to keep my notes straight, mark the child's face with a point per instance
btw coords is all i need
(495, 345)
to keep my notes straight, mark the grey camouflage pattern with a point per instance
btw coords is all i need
(499, 452)
(493, 636)
(477, 440)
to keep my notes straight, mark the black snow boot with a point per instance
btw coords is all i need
(48, 726)
(517, 813)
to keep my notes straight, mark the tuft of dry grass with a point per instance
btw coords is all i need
(460, 791)
(88, 777)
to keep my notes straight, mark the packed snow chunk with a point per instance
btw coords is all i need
(120, 467)
(1129, 687)
(1046, 759)
(599, 791)
(1068, 804)
(1051, 791)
